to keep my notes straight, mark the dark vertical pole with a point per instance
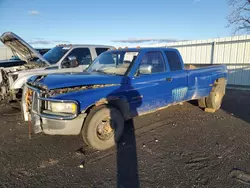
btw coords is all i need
(212, 52)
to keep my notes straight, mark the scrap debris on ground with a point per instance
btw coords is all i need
(181, 146)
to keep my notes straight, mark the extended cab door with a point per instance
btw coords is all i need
(177, 77)
(150, 90)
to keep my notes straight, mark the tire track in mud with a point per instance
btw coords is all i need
(196, 166)
(240, 176)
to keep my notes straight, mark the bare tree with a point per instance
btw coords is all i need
(239, 18)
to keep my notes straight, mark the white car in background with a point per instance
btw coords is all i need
(62, 58)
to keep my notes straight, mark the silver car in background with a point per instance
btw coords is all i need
(62, 58)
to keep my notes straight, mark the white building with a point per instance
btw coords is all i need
(231, 51)
(5, 53)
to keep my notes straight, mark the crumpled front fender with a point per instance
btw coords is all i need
(18, 84)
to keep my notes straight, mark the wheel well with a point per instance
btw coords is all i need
(220, 81)
(119, 104)
(87, 111)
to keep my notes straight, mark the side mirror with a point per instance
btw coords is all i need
(145, 69)
(69, 62)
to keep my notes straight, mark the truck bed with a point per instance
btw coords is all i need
(202, 76)
(197, 66)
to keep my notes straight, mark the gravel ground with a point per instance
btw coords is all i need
(181, 146)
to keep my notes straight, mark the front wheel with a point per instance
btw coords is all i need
(103, 127)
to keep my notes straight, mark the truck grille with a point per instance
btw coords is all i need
(28, 99)
(35, 102)
(32, 101)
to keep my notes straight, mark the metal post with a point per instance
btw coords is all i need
(212, 52)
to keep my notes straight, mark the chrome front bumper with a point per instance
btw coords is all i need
(49, 123)
(57, 127)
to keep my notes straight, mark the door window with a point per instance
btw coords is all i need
(83, 56)
(155, 59)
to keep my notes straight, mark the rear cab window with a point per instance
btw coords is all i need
(100, 50)
(173, 61)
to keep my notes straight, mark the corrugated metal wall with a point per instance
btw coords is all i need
(231, 51)
(5, 53)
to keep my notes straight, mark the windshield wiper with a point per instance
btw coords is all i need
(99, 71)
(110, 73)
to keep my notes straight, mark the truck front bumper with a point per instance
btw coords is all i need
(57, 127)
(52, 124)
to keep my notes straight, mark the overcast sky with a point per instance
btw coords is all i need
(45, 23)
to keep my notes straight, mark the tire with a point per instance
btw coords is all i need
(107, 120)
(202, 103)
(214, 100)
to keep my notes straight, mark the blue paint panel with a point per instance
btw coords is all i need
(143, 93)
(179, 94)
(53, 81)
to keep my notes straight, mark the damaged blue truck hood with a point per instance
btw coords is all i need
(56, 81)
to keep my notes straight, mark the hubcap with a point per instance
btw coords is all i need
(105, 129)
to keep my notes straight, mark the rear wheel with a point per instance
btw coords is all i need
(202, 103)
(214, 100)
(103, 127)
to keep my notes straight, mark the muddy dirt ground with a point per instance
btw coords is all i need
(181, 146)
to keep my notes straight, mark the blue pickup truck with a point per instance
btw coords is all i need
(117, 86)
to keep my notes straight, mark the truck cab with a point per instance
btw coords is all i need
(117, 86)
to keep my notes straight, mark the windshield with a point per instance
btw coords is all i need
(113, 62)
(55, 54)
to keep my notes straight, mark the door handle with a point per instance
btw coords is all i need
(169, 79)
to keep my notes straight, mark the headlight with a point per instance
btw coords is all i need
(70, 108)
